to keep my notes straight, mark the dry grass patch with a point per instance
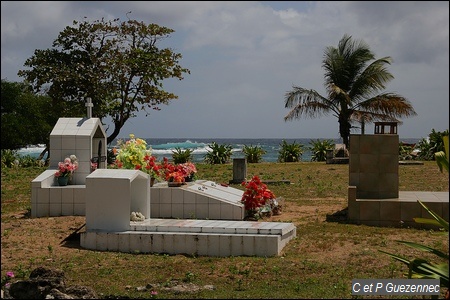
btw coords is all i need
(320, 263)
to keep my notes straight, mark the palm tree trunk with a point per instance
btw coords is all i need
(344, 131)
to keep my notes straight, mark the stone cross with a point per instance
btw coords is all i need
(89, 106)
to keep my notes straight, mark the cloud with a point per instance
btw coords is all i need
(244, 56)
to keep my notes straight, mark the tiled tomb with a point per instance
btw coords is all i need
(374, 198)
(201, 199)
(82, 137)
(113, 194)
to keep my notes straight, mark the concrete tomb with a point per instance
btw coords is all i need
(373, 193)
(114, 194)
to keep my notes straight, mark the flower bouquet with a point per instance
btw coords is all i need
(133, 154)
(151, 166)
(172, 173)
(258, 200)
(66, 169)
(179, 173)
(189, 170)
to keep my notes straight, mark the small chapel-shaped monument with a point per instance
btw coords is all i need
(86, 139)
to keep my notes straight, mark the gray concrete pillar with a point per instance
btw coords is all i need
(239, 170)
(329, 156)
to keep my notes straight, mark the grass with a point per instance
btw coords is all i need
(320, 263)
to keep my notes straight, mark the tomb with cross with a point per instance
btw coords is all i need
(83, 137)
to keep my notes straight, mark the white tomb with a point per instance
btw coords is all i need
(112, 195)
(201, 199)
(84, 138)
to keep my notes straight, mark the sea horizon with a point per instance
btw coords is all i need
(164, 147)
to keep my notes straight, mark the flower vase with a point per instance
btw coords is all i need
(189, 178)
(174, 184)
(63, 180)
(152, 181)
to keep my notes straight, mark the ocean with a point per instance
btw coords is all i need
(163, 147)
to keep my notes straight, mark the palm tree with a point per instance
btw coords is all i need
(352, 83)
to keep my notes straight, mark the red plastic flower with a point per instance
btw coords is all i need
(176, 173)
(256, 194)
(151, 166)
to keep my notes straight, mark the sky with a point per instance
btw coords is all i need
(245, 56)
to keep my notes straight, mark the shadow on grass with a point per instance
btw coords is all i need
(340, 216)
(73, 239)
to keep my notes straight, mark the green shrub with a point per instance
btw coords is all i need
(434, 143)
(441, 157)
(319, 149)
(253, 154)
(10, 158)
(218, 154)
(405, 151)
(29, 161)
(290, 152)
(181, 156)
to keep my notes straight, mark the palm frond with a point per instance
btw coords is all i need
(388, 106)
(306, 103)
